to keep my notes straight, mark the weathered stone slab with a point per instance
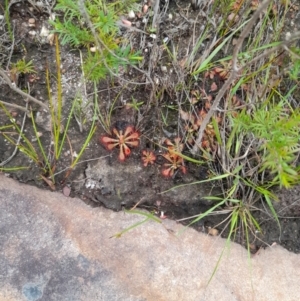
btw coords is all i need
(131, 183)
(58, 248)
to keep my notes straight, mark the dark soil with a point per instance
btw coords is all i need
(99, 178)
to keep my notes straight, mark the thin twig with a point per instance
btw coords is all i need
(155, 14)
(19, 91)
(14, 106)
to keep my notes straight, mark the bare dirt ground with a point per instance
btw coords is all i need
(99, 178)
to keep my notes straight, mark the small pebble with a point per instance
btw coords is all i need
(66, 153)
(66, 191)
(32, 32)
(131, 15)
(52, 17)
(163, 69)
(93, 49)
(50, 38)
(31, 21)
(44, 32)
(213, 231)
(145, 8)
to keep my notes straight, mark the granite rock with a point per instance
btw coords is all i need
(58, 248)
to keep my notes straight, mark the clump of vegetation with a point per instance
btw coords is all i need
(248, 124)
(46, 157)
(93, 24)
(20, 67)
(275, 130)
(232, 101)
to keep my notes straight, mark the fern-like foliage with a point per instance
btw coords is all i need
(69, 34)
(69, 7)
(74, 30)
(277, 129)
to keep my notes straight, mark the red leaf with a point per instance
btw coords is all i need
(166, 172)
(213, 87)
(122, 156)
(126, 150)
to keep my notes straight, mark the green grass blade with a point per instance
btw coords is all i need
(205, 63)
(46, 160)
(219, 177)
(148, 216)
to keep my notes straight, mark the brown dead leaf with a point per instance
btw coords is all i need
(182, 62)
(126, 22)
(207, 105)
(205, 143)
(49, 182)
(211, 74)
(186, 116)
(209, 98)
(202, 113)
(236, 102)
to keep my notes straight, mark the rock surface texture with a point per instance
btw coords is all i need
(58, 248)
